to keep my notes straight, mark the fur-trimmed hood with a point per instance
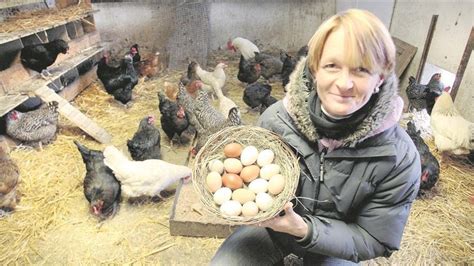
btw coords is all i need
(385, 112)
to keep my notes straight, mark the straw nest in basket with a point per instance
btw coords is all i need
(246, 136)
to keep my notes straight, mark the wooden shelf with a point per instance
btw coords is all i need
(17, 95)
(14, 3)
(12, 36)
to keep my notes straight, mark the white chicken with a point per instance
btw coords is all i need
(452, 133)
(246, 47)
(214, 78)
(143, 178)
(225, 104)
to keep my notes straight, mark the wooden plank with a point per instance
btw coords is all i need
(8, 102)
(405, 53)
(14, 3)
(185, 221)
(74, 115)
(426, 48)
(463, 64)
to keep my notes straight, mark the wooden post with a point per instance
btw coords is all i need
(426, 48)
(463, 64)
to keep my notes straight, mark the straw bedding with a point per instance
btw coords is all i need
(52, 224)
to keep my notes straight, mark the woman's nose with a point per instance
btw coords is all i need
(344, 80)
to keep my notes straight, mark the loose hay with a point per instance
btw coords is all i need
(52, 224)
(246, 136)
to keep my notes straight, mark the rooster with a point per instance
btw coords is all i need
(39, 57)
(145, 143)
(101, 188)
(429, 164)
(246, 48)
(36, 127)
(143, 178)
(452, 133)
(9, 178)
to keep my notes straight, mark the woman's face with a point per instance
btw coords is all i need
(342, 89)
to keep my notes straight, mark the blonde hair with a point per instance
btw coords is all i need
(368, 42)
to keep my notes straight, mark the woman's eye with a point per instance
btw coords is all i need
(362, 69)
(330, 66)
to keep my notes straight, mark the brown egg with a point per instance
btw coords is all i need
(232, 181)
(249, 173)
(232, 150)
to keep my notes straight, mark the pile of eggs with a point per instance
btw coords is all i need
(245, 182)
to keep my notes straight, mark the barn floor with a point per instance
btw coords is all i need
(52, 224)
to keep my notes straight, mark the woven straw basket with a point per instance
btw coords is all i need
(246, 135)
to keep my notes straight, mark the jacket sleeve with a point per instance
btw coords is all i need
(378, 227)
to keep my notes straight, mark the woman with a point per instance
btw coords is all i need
(359, 170)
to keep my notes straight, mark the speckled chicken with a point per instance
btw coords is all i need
(35, 127)
(429, 164)
(423, 96)
(9, 179)
(145, 143)
(101, 188)
(204, 117)
(143, 178)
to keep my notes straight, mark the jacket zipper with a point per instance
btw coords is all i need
(321, 165)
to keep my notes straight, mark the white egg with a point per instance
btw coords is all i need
(269, 170)
(231, 208)
(264, 201)
(249, 155)
(222, 195)
(258, 185)
(214, 181)
(249, 209)
(265, 157)
(216, 166)
(276, 184)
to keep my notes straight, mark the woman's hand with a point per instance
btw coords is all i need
(290, 223)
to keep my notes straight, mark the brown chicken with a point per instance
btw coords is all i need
(9, 178)
(149, 66)
(36, 127)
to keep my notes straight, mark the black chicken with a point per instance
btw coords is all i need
(135, 54)
(173, 118)
(118, 81)
(424, 96)
(39, 57)
(269, 64)
(249, 71)
(101, 188)
(145, 143)
(289, 64)
(258, 94)
(429, 164)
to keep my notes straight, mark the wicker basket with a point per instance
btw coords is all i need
(246, 135)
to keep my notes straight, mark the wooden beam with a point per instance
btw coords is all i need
(463, 64)
(426, 48)
(74, 115)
